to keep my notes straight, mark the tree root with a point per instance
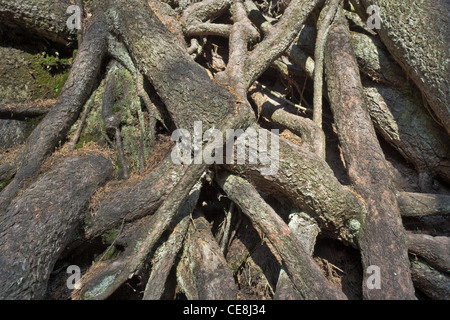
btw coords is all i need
(367, 169)
(164, 260)
(310, 184)
(135, 200)
(423, 204)
(273, 109)
(104, 278)
(203, 272)
(23, 111)
(301, 268)
(435, 250)
(433, 283)
(323, 25)
(195, 18)
(279, 39)
(400, 39)
(54, 127)
(41, 223)
(306, 230)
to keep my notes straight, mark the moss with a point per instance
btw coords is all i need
(32, 124)
(59, 81)
(50, 74)
(87, 221)
(4, 183)
(234, 268)
(85, 138)
(93, 126)
(110, 235)
(112, 253)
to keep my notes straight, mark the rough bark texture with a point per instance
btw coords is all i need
(273, 109)
(367, 169)
(135, 200)
(43, 17)
(423, 204)
(303, 271)
(39, 225)
(398, 111)
(167, 253)
(403, 121)
(58, 121)
(308, 181)
(106, 277)
(435, 250)
(165, 258)
(183, 85)
(23, 111)
(203, 272)
(433, 283)
(306, 230)
(417, 37)
(152, 85)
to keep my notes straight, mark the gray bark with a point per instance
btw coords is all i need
(40, 224)
(417, 37)
(203, 273)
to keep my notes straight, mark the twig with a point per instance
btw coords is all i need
(279, 96)
(114, 241)
(76, 137)
(226, 232)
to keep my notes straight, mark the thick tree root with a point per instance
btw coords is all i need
(203, 272)
(301, 268)
(367, 169)
(135, 200)
(164, 260)
(423, 204)
(105, 277)
(48, 21)
(435, 250)
(310, 184)
(148, 40)
(396, 109)
(23, 111)
(323, 26)
(54, 127)
(40, 224)
(433, 283)
(427, 63)
(7, 171)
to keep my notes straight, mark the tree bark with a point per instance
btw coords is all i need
(303, 271)
(434, 284)
(22, 112)
(367, 169)
(310, 184)
(131, 201)
(54, 127)
(423, 204)
(435, 250)
(44, 18)
(40, 224)
(417, 37)
(306, 230)
(203, 271)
